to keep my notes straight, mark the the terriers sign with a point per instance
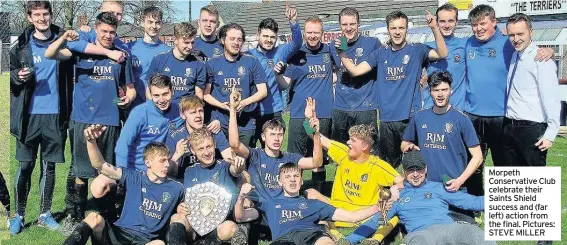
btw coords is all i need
(505, 8)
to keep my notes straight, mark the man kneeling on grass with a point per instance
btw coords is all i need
(423, 207)
(150, 196)
(292, 218)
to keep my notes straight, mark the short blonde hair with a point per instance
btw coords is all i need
(199, 136)
(185, 30)
(155, 149)
(363, 132)
(190, 102)
(121, 3)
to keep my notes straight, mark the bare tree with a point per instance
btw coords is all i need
(65, 13)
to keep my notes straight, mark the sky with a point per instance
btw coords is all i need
(183, 7)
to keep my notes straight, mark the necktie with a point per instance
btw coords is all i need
(511, 82)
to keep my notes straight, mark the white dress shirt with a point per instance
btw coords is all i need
(533, 91)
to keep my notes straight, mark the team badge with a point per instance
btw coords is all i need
(491, 53)
(326, 58)
(448, 128)
(303, 205)
(457, 58)
(90, 60)
(364, 178)
(301, 61)
(405, 61)
(241, 71)
(167, 69)
(424, 126)
(165, 197)
(112, 62)
(347, 170)
(216, 52)
(358, 52)
(188, 72)
(220, 73)
(471, 54)
(144, 189)
(271, 63)
(278, 206)
(428, 195)
(263, 165)
(281, 164)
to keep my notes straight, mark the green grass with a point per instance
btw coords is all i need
(33, 234)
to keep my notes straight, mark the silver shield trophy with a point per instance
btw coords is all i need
(209, 205)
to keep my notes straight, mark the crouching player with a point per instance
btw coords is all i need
(360, 175)
(209, 169)
(292, 218)
(151, 196)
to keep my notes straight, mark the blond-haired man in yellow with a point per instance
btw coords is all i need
(359, 176)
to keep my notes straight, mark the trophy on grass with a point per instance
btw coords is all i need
(209, 205)
(385, 195)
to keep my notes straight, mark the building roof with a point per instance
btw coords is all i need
(249, 15)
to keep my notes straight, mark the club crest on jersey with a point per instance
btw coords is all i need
(301, 61)
(424, 126)
(364, 178)
(241, 71)
(358, 52)
(326, 58)
(347, 170)
(448, 128)
(263, 165)
(281, 164)
(165, 197)
(471, 54)
(271, 63)
(491, 53)
(216, 52)
(278, 206)
(167, 69)
(405, 60)
(428, 195)
(90, 60)
(457, 58)
(188, 72)
(220, 73)
(303, 205)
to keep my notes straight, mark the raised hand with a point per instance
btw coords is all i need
(235, 98)
(238, 162)
(116, 55)
(246, 189)
(431, 20)
(181, 147)
(93, 132)
(70, 35)
(290, 13)
(310, 108)
(279, 68)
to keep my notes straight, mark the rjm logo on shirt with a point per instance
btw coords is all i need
(436, 141)
(317, 71)
(271, 181)
(352, 188)
(395, 73)
(229, 82)
(150, 205)
(290, 215)
(102, 70)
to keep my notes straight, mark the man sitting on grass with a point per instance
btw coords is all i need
(359, 176)
(151, 198)
(435, 225)
(292, 218)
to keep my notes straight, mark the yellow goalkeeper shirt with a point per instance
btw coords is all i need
(357, 185)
